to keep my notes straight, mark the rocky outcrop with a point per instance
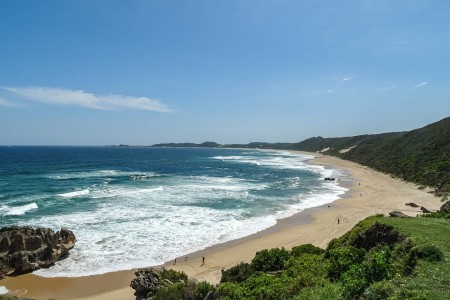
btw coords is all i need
(25, 249)
(445, 208)
(150, 280)
(412, 204)
(146, 283)
(398, 214)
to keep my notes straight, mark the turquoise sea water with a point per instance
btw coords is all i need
(136, 207)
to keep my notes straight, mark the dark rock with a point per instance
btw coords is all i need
(412, 204)
(4, 244)
(445, 208)
(25, 249)
(424, 210)
(146, 283)
(398, 214)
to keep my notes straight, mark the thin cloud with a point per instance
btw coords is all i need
(66, 97)
(421, 84)
(346, 78)
(4, 102)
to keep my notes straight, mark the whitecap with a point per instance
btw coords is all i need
(74, 194)
(17, 210)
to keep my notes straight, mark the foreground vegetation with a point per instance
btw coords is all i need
(380, 258)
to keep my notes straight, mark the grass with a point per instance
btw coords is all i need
(431, 277)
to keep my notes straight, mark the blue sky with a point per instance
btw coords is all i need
(145, 72)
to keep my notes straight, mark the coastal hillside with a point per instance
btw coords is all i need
(421, 156)
(380, 258)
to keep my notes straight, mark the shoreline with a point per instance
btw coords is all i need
(367, 195)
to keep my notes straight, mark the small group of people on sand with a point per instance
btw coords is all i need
(186, 257)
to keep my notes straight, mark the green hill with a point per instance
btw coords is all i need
(421, 156)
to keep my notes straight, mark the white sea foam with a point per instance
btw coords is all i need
(3, 290)
(74, 194)
(312, 200)
(147, 223)
(281, 161)
(100, 173)
(6, 210)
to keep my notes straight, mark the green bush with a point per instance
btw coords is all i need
(203, 288)
(311, 265)
(378, 266)
(341, 259)
(172, 292)
(325, 292)
(267, 287)
(173, 276)
(402, 261)
(306, 249)
(409, 294)
(230, 291)
(439, 215)
(354, 282)
(428, 252)
(270, 260)
(379, 291)
(238, 273)
(190, 291)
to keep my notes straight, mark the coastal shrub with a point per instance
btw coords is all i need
(310, 265)
(378, 265)
(428, 252)
(354, 282)
(173, 292)
(266, 287)
(439, 215)
(230, 291)
(374, 268)
(306, 248)
(238, 273)
(173, 276)
(379, 291)
(203, 288)
(189, 291)
(270, 260)
(409, 294)
(341, 259)
(328, 291)
(402, 261)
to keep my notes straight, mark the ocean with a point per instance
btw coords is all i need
(135, 207)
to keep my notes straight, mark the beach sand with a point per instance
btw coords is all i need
(370, 193)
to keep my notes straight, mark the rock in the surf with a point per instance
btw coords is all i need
(24, 249)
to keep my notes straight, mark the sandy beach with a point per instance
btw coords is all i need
(370, 193)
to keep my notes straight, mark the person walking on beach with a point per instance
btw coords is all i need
(203, 261)
(338, 221)
(175, 262)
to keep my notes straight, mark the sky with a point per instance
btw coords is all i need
(233, 71)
